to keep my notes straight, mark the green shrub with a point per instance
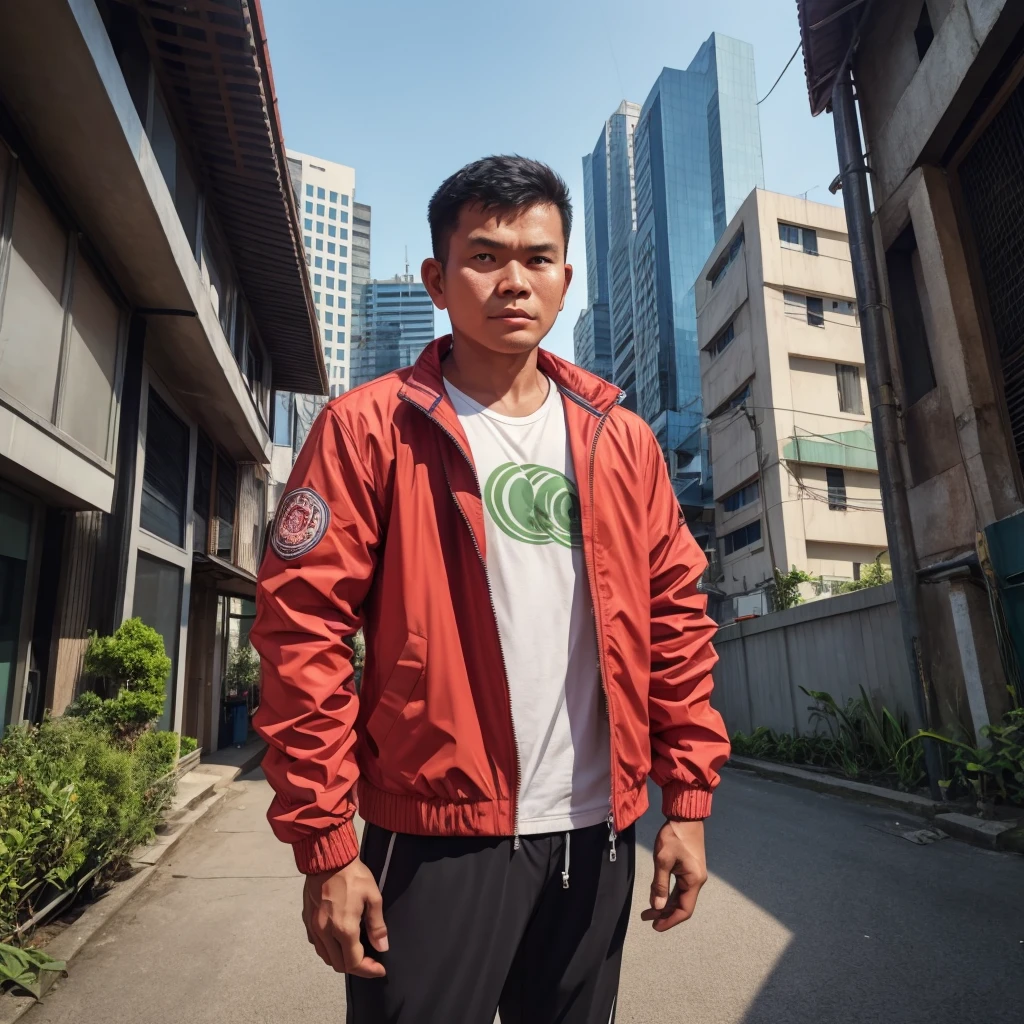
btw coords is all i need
(243, 672)
(188, 744)
(73, 798)
(874, 575)
(134, 666)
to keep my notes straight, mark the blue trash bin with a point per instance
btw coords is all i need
(239, 723)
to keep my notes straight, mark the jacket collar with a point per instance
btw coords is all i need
(425, 384)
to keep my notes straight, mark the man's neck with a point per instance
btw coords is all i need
(509, 384)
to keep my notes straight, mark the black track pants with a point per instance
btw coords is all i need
(474, 926)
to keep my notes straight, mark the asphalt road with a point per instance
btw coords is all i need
(813, 914)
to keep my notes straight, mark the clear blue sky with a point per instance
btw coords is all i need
(407, 92)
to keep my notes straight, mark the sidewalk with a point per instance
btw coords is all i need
(815, 913)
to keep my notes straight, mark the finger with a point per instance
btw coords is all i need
(662, 878)
(680, 907)
(333, 953)
(376, 930)
(356, 960)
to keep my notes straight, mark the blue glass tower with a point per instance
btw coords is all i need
(697, 155)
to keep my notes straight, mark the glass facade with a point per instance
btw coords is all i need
(697, 153)
(397, 322)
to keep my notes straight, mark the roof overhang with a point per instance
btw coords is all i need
(222, 576)
(827, 29)
(212, 59)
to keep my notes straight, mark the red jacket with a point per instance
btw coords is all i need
(382, 526)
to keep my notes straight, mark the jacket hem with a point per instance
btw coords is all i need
(418, 816)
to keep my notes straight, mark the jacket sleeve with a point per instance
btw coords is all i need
(308, 600)
(689, 742)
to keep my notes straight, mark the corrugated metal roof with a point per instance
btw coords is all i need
(212, 59)
(826, 29)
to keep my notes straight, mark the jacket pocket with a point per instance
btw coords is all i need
(397, 690)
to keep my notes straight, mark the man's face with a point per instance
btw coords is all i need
(505, 278)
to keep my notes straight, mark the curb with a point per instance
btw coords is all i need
(69, 942)
(1003, 836)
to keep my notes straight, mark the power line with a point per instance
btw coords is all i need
(779, 79)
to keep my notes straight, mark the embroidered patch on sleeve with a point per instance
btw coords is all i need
(301, 523)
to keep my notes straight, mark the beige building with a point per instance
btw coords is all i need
(782, 373)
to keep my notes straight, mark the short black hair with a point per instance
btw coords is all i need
(496, 182)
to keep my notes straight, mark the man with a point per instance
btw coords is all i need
(508, 538)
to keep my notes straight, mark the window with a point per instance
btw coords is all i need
(319, 227)
(319, 245)
(744, 496)
(283, 418)
(341, 351)
(725, 260)
(722, 342)
(742, 538)
(331, 247)
(318, 262)
(320, 194)
(330, 299)
(309, 190)
(327, 351)
(810, 307)
(843, 307)
(328, 318)
(836, 489)
(328, 336)
(343, 268)
(333, 197)
(344, 199)
(316, 297)
(793, 237)
(330, 282)
(923, 33)
(341, 285)
(341, 318)
(332, 231)
(343, 232)
(224, 512)
(157, 602)
(165, 476)
(344, 216)
(309, 207)
(307, 224)
(740, 397)
(848, 381)
(342, 302)
(330, 265)
(309, 242)
(319, 209)
(202, 493)
(332, 213)
(317, 280)
(341, 334)
(341, 372)
(906, 290)
(342, 251)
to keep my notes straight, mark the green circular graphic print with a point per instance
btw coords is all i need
(534, 504)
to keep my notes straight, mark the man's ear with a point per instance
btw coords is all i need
(565, 287)
(432, 276)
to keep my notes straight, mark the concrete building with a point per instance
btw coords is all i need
(398, 321)
(153, 296)
(941, 100)
(782, 374)
(697, 155)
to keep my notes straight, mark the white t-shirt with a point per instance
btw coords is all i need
(545, 619)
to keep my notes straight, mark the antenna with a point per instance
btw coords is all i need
(407, 261)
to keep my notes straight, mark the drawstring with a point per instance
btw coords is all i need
(611, 838)
(565, 868)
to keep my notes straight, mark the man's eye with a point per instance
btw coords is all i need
(483, 257)
(541, 259)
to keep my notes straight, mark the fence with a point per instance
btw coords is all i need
(837, 644)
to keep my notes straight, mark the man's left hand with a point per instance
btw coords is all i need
(678, 852)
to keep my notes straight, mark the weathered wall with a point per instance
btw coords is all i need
(837, 645)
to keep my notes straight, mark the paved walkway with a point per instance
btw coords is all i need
(813, 915)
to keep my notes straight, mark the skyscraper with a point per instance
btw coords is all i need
(397, 322)
(603, 336)
(697, 154)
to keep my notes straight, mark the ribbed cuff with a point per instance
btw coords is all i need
(327, 851)
(688, 802)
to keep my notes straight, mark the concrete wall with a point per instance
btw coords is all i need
(836, 645)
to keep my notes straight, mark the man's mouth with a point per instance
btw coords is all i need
(513, 316)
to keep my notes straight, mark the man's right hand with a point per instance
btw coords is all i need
(334, 905)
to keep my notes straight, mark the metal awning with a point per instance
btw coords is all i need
(826, 29)
(211, 57)
(223, 576)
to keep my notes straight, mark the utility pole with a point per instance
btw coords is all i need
(853, 174)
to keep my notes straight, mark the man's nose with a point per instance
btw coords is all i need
(514, 281)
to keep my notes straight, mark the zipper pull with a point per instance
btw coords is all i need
(611, 838)
(515, 842)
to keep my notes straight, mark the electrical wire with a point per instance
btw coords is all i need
(779, 79)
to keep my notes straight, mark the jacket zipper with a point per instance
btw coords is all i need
(494, 612)
(600, 642)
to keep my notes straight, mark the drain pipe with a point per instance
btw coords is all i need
(853, 173)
